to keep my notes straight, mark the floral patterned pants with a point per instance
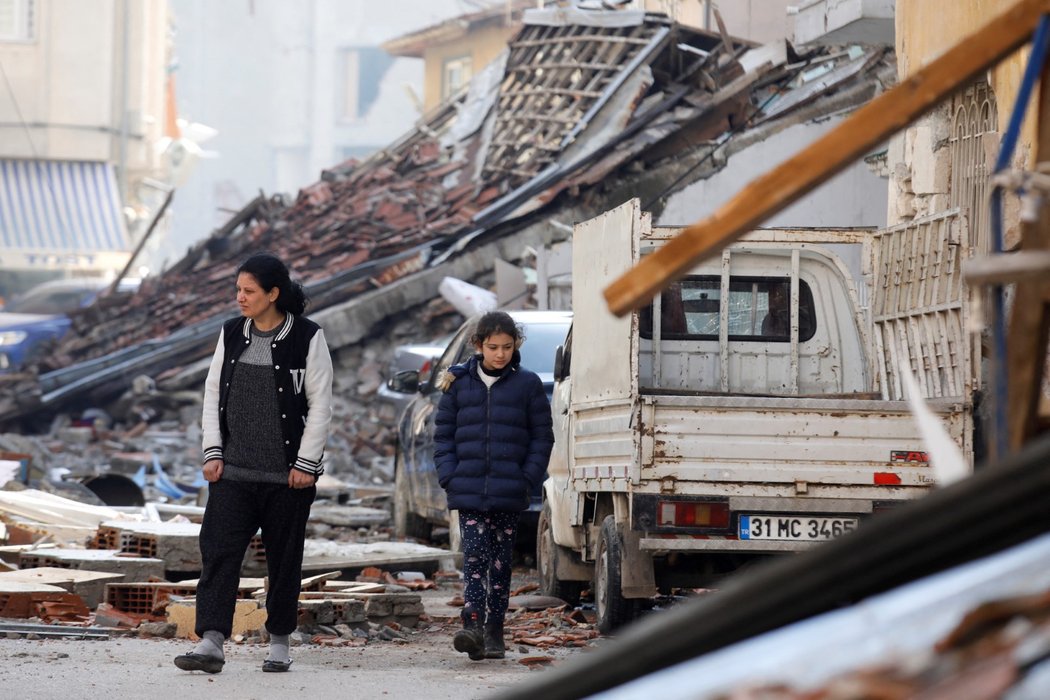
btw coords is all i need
(488, 547)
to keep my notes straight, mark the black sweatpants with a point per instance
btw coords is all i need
(236, 510)
(487, 539)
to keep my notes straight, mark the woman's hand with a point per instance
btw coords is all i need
(213, 470)
(300, 480)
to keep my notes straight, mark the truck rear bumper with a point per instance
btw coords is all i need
(655, 545)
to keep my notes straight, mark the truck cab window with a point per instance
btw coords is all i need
(759, 310)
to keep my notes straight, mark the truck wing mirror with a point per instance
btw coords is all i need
(404, 382)
(559, 364)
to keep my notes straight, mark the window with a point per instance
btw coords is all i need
(16, 20)
(759, 310)
(361, 71)
(456, 72)
(974, 134)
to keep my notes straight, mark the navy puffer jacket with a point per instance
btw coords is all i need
(491, 446)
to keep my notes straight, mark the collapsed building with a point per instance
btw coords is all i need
(584, 110)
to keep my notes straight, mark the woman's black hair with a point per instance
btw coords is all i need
(497, 322)
(269, 271)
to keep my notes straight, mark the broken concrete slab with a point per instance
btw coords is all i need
(10, 553)
(89, 585)
(104, 560)
(330, 556)
(11, 587)
(175, 543)
(31, 515)
(19, 629)
(348, 516)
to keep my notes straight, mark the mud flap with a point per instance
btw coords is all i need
(637, 578)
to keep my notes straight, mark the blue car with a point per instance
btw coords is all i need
(30, 321)
(419, 502)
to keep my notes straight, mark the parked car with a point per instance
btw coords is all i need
(413, 356)
(40, 315)
(419, 502)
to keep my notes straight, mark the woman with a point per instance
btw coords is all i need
(267, 408)
(492, 440)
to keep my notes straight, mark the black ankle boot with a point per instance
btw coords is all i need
(470, 640)
(494, 647)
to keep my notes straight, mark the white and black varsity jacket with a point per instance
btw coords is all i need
(302, 370)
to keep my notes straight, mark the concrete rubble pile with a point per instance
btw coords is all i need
(72, 568)
(488, 175)
(148, 439)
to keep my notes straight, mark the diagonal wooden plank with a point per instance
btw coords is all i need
(865, 129)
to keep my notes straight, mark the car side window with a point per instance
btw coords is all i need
(449, 357)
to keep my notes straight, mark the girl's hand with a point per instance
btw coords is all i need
(300, 480)
(212, 470)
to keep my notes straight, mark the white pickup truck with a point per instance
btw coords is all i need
(754, 407)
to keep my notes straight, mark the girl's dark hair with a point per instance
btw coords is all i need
(270, 272)
(497, 322)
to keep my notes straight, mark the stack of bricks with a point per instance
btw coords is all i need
(402, 608)
(332, 611)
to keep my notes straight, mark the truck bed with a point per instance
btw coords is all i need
(773, 446)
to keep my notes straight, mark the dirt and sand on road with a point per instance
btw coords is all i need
(422, 665)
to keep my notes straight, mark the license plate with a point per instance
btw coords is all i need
(786, 527)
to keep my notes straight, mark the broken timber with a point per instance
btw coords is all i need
(817, 163)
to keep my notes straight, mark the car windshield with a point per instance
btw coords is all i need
(537, 353)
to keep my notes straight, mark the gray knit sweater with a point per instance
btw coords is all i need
(254, 451)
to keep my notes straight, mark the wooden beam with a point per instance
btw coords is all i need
(1026, 340)
(1007, 268)
(853, 138)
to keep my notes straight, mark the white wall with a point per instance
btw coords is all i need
(67, 87)
(855, 197)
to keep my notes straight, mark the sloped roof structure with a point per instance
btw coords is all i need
(581, 98)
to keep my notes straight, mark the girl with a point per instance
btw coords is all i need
(492, 440)
(267, 408)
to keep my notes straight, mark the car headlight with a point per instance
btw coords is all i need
(12, 337)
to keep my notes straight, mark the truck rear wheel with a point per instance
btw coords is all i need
(613, 609)
(406, 523)
(546, 557)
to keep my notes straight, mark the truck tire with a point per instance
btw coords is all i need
(546, 555)
(613, 610)
(406, 523)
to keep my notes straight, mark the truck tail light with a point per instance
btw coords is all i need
(693, 514)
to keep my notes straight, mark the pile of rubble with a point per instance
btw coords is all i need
(73, 570)
(150, 434)
(535, 144)
(69, 568)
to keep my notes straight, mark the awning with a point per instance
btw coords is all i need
(60, 215)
